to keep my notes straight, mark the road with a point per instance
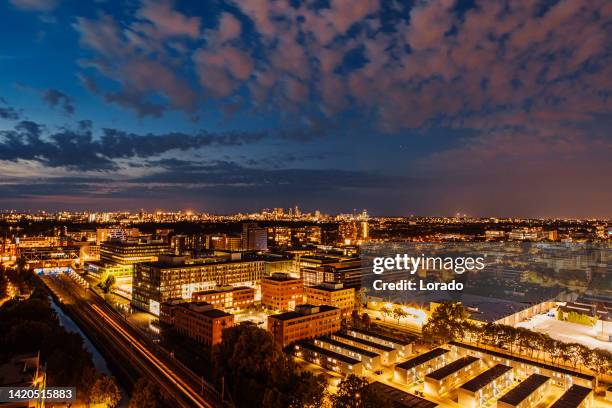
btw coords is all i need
(127, 346)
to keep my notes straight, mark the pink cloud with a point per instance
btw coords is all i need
(168, 22)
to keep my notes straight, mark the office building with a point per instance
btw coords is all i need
(176, 277)
(254, 238)
(333, 294)
(281, 292)
(306, 322)
(199, 321)
(227, 298)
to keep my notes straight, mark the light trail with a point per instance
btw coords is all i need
(184, 387)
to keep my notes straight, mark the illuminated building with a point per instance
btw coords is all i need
(348, 233)
(225, 242)
(487, 385)
(575, 397)
(333, 294)
(445, 379)
(387, 354)
(306, 322)
(282, 292)
(418, 367)
(403, 347)
(348, 272)
(176, 277)
(328, 359)
(199, 321)
(227, 298)
(37, 242)
(118, 257)
(527, 394)
(122, 234)
(370, 359)
(254, 238)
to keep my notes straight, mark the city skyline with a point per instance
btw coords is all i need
(427, 108)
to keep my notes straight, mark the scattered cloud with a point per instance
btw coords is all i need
(78, 148)
(55, 98)
(35, 5)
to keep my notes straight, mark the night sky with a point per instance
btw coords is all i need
(401, 107)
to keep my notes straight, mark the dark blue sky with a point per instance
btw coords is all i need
(425, 107)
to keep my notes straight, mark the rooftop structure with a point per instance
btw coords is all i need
(525, 389)
(486, 377)
(573, 397)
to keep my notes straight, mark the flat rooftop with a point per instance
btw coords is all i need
(383, 337)
(295, 315)
(329, 340)
(524, 361)
(364, 342)
(340, 357)
(572, 397)
(485, 378)
(421, 359)
(399, 398)
(451, 368)
(524, 389)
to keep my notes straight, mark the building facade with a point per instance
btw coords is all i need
(306, 322)
(281, 292)
(199, 321)
(175, 277)
(333, 294)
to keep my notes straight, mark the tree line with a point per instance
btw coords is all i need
(450, 321)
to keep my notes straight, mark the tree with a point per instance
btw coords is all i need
(399, 312)
(107, 282)
(354, 392)
(257, 373)
(386, 311)
(367, 321)
(146, 395)
(105, 391)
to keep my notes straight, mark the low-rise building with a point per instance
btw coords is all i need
(227, 298)
(527, 394)
(333, 294)
(306, 322)
(282, 292)
(370, 359)
(388, 355)
(399, 398)
(328, 359)
(403, 347)
(197, 320)
(559, 376)
(444, 379)
(576, 396)
(418, 367)
(487, 385)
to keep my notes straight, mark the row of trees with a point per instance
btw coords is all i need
(450, 322)
(32, 326)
